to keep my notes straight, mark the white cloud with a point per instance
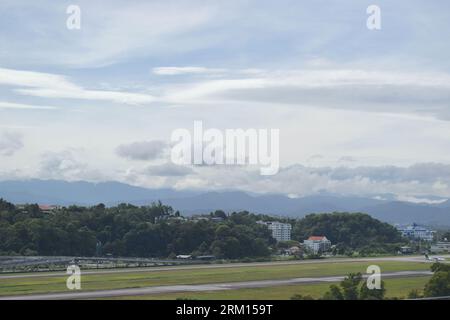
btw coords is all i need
(80, 93)
(21, 78)
(413, 199)
(168, 170)
(143, 150)
(408, 183)
(10, 143)
(366, 90)
(173, 71)
(109, 33)
(11, 105)
(235, 65)
(48, 85)
(67, 165)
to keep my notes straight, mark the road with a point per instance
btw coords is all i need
(196, 288)
(208, 266)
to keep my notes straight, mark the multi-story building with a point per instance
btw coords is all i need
(416, 232)
(317, 244)
(440, 246)
(280, 231)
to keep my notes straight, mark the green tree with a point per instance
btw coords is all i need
(414, 294)
(372, 294)
(334, 293)
(6, 206)
(128, 230)
(354, 288)
(350, 232)
(220, 214)
(350, 286)
(440, 267)
(438, 285)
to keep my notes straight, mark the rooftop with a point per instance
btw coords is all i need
(317, 238)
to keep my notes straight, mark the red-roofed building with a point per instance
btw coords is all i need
(317, 244)
(47, 208)
(317, 238)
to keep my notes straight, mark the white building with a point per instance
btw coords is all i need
(317, 244)
(415, 232)
(280, 231)
(440, 246)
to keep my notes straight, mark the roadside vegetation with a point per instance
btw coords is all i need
(354, 287)
(437, 286)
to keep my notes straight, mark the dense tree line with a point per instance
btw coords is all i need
(158, 231)
(350, 232)
(127, 230)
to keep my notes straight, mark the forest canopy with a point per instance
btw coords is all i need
(157, 231)
(127, 230)
(350, 232)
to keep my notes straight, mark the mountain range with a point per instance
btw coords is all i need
(383, 207)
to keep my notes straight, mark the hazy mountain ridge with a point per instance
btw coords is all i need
(80, 192)
(112, 193)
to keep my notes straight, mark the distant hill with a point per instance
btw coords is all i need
(279, 204)
(445, 204)
(81, 193)
(404, 212)
(188, 202)
(388, 211)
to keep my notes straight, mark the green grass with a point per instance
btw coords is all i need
(395, 287)
(44, 284)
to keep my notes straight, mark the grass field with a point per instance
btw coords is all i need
(395, 288)
(29, 285)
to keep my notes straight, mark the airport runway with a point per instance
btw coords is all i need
(208, 266)
(196, 288)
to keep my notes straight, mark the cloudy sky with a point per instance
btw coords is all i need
(360, 111)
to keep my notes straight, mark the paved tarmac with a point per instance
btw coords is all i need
(208, 266)
(196, 288)
(206, 287)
